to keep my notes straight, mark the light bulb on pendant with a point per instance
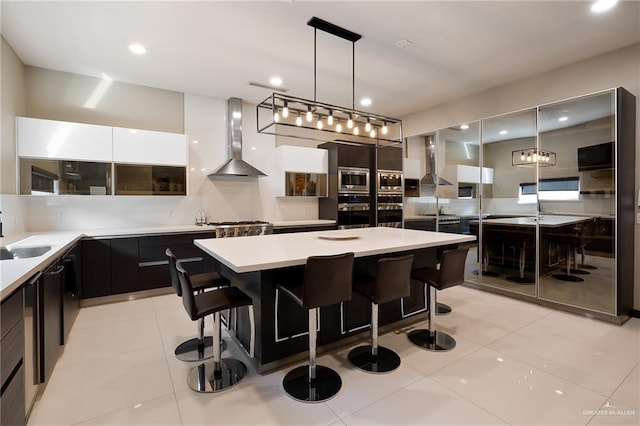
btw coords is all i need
(276, 116)
(522, 156)
(309, 115)
(330, 118)
(356, 131)
(385, 129)
(350, 122)
(298, 120)
(367, 127)
(285, 110)
(372, 133)
(319, 123)
(338, 127)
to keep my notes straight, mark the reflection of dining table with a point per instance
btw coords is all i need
(519, 233)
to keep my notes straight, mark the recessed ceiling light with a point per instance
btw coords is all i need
(563, 118)
(138, 49)
(603, 5)
(194, 141)
(276, 81)
(503, 132)
(365, 101)
(464, 126)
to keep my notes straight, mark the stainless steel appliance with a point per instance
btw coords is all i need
(389, 181)
(353, 180)
(241, 228)
(354, 211)
(390, 210)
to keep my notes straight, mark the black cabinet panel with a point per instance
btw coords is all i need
(50, 318)
(12, 350)
(10, 312)
(12, 405)
(390, 158)
(124, 265)
(96, 268)
(72, 290)
(291, 229)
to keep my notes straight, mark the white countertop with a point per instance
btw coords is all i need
(546, 220)
(248, 254)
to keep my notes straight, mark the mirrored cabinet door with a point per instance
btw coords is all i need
(64, 177)
(508, 249)
(576, 190)
(460, 185)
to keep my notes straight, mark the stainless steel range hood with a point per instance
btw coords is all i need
(431, 177)
(235, 166)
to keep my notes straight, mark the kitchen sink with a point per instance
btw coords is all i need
(22, 252)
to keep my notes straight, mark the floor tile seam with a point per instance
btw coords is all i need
(105, 357)
(513, 331)
(622, 381)
(424, 376)
(456, 360)
(117, 409)
(555, 375)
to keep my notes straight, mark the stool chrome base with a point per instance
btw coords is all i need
(442, 309)
(385, 362)
(326, 385)
(205, 379)
(565, 277)
(188, 351)
(521, 280)
(432, 340)
(579, 271)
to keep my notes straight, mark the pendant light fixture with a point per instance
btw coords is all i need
(533, 157)
(280, 114)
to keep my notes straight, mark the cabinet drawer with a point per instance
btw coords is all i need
(11, 312)
(12, 405)
(172, 240)
(11, 350)
(181, 251)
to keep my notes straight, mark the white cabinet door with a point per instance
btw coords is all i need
(63, 140)
(148, 147)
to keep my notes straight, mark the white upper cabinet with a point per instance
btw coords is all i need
(41, 138)
(149, 147)
(471, 174)
(301, 171)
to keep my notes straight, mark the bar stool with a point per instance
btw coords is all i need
(327, 281)
(201, 347)
(451, 273)
(221, 373)
(570, 238)
(392, 282)
(585, 233)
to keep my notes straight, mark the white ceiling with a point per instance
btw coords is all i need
(217, 48)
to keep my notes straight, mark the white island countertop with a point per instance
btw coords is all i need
(250, 254)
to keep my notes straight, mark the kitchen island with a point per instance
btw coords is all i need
(257, 264)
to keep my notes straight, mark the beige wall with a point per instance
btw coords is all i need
(12, 89)
(57, 95)
(613, 69)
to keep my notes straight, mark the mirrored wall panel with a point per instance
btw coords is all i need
(577, 202)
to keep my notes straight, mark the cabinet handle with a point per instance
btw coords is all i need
(58, 270)
(34, 279)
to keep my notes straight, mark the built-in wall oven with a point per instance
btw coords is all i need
(353, 180)
(354, 210)
(389, 199)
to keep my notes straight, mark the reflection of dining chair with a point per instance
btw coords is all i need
(585, 232)
(570, 239)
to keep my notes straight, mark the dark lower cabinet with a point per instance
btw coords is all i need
(96, 268)
(12, 399)
(124, 265)
(50, 320)
(71, 290)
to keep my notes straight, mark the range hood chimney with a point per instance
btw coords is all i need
(235, 166)
(431, 177)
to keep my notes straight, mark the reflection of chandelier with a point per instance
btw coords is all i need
(533, 157)
(284, 115)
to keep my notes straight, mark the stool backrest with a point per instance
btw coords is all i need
(393, 278)
(188, 299)
(452, 268)
(173, 271)
(327, 280)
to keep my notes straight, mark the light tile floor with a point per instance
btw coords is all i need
(515, 363)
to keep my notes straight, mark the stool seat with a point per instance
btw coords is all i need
(450, 273)
(391, 282)
(201, 347)
(327, 281)
(220, 374)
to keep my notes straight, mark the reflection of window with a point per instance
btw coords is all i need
(558, 189)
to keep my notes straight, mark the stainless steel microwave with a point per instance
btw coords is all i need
(353, 179)
(389, 181)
